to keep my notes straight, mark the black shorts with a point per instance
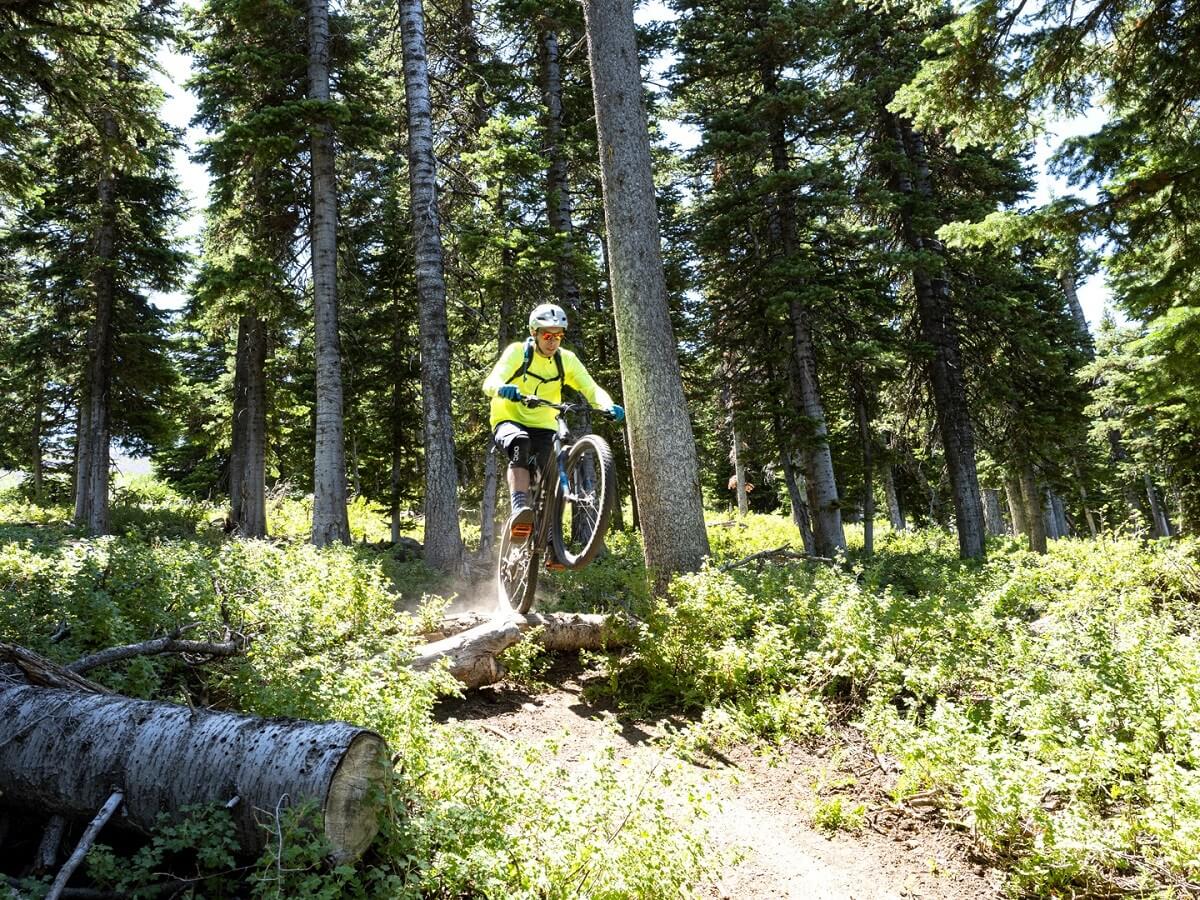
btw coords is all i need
(541, 442)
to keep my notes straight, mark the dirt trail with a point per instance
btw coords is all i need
(765, 806)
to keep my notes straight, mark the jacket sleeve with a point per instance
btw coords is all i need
(508, 362)
(576, 376)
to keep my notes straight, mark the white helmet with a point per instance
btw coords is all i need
(547, 315)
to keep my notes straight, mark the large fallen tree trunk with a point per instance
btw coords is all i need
(470, 642)
(65, 752)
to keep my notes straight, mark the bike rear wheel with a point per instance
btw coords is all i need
(517, 573)
(583, 512)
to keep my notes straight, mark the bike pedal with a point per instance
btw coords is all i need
(555, 566)
(522, 530)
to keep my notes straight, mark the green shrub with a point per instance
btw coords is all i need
(466, 817)
(1052, 703)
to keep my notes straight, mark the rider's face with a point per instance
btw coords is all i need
(549, 340)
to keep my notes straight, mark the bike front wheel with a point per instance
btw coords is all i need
(517, 573)
(585, 507)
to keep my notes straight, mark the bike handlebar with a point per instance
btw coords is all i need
(533, 402)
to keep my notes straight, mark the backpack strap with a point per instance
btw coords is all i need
(523, 369)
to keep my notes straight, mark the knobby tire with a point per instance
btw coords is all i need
(589, 506)
(517, 572)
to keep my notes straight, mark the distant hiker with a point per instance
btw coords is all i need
(537, 367)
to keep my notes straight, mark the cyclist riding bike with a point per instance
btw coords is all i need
(538, 367)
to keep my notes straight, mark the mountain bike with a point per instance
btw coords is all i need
(572, 506)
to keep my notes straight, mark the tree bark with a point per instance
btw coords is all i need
(800, 514)
(735, 444)
(939, 332)
(991, 511)
(36, 447)
(1049, 521)
(330, 520)
(895, 513)
(167, 757)
(662, 446)
(1085, 501)
(1016, 505)
(248, 459)
(491, 479)
(558, 189)
(868, 460)
(443, 538)
(1158, 511)
(1066, 280)
(1032, 506)
(92, 453)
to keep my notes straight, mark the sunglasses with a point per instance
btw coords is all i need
(553, 335)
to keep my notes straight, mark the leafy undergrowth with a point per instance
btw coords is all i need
(465, 818)
(1051, 705)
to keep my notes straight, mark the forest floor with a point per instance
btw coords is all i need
(764, 803)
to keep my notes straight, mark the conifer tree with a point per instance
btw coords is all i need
(662, 446)
(443, 539)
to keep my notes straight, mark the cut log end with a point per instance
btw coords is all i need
(357, 789)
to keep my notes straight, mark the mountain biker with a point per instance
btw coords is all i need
(538, 367)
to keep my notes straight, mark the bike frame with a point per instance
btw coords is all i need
(551, 491)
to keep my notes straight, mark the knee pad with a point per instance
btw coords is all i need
(518, 453)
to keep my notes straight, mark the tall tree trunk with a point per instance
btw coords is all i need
(1060, 516)
(735, 444)
(665, 471)
(558, 189)
(443, 538)
(397, 436)
(36, 445)
(330, 521)
(1031, 503)
(487, 511)
(1158, 512)
(895, 513)
(991, 511)
(825, 505)
(1016, 505)
(558, 215)
(1083, 499)
(92, 455)
(1066, 280)
(1049, 521)
(862, 414)
(800, 514)
(355, 474)
(938, 330)
(237, 428)
(796, 492)
(739, 473)
(248, 460)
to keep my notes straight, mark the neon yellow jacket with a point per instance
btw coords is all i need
(509, 363)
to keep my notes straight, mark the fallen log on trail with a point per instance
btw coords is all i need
(471, 641)
(560, 631)
(65, 752)
(471, 655)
